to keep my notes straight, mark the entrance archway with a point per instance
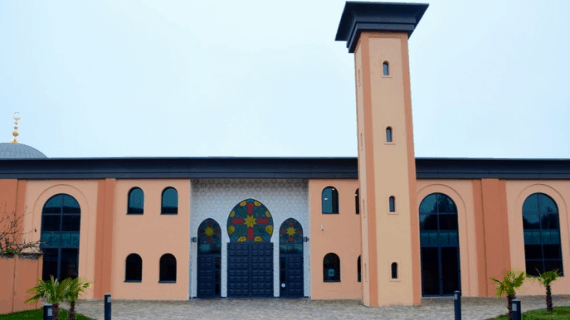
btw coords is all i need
(291, 259)
(439, 241)
(250, 251)
(209, 259)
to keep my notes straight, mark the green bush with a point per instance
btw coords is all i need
(38, 315)
(558, 313)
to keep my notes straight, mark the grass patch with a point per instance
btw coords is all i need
(558, 313)
(38, 314)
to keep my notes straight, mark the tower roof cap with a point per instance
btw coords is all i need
(377, 16)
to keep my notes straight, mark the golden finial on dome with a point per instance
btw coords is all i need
(16, 118)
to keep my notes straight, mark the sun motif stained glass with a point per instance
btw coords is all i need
(209, 237)
(250, 221)
(291, 236)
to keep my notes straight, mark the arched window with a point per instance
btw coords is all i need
(389, 134)
(392, 204)
(394, 270)
(331, 268)
(330, 200)
(133, 268)
(359, 269)
(386, 68)
(61, 220)
(541, 234)
(136, 201)
(169, 201)
(167, 268)
(439, 245)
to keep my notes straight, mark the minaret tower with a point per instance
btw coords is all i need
(377, 33)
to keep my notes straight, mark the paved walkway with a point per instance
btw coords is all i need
(290, 309)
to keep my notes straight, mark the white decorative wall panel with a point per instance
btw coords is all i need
(285, 198)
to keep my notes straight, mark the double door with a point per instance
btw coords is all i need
(250, 270)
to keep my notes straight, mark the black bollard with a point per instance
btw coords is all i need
(48, 312)
(517, 312)
(457, 305)
(108, 307)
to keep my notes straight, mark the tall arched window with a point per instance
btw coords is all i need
(133, 268)
(439, 242)
(389, 134)
(359, 269)
(167, 268)
(61, 217)
(386, 68)
(330, 200)
(357, 201)
(136, 201)
(331, 268)
(392, 204)
(541, 234)
(169, 204)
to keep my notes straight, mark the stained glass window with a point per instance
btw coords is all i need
(136, 201)
(250, 221)
(291, 236)
(541, 234)
(169, 201)
(209, 237)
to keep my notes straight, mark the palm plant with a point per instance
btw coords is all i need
(76, 288)
(512, 280)
(546, 279)
(52, 291)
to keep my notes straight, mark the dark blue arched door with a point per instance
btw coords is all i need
(291, 259)
(61, 218)
(209, 259)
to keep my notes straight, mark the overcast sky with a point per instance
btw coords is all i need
(266, 78)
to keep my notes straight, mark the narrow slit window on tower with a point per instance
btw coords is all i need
(394, 271)
(386, 68)
(389, 134)
(357, 201)
(392, 204)
(359, 269)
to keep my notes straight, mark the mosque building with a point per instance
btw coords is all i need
(386, 228)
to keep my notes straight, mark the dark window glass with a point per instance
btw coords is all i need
(70, 206)
(392, 204)
(330, 200)
(133, 268)
(439, 241)
(541, 227)
(61, 222)
(394, 270)
(331, 268)
(357, 201)
(359, 269)
(167, 268)
(136, 201)
(386, 68)
(50, 263)
(169, 201)
(69, 263)
(388, 134)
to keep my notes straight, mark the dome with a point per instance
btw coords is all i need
(19, 151)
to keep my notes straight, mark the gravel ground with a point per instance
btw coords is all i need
(431, 308)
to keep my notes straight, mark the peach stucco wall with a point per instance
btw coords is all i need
(461, 192)
(151, 235)
(335, 233)
(85, 192)
(517, 192)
